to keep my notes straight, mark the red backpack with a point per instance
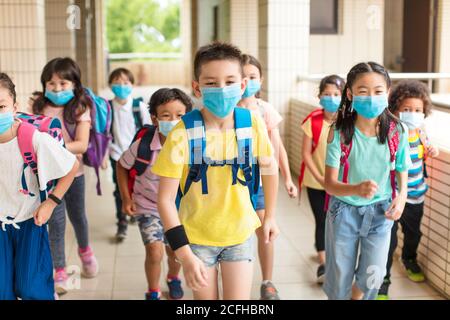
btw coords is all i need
(393, 142)
(316, 117)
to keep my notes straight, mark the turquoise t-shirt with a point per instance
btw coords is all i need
(369, 160)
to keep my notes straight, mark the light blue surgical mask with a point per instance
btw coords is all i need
(221, 101)
(60, 98)
(330, 103)
(121, 91)
(414, 120)
(253, 86)
(166, 126)
(6, 121)
(370, 107)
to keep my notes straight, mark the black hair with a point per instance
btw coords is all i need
(410, 89)
(69, 70)
(346, 118)
(333, 79)
(117, 73)
(165, 95)
(6, 83)
(216, 51)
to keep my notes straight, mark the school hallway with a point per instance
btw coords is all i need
(122, 274)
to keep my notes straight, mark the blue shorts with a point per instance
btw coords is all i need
(26, 268)
(357, 242)
(260, 204)
(211, 256)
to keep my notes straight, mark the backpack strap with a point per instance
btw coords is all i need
(144, 152)
(25, 140)
(317, 117)
(425, 142)
(393, 143)
(136, 107)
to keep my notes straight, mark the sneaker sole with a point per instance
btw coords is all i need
(60, 290)
(321, 279)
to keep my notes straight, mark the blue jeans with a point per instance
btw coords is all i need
(347, 230)
(211, 255)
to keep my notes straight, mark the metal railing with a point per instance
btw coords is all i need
(144, 55)
(427, 76)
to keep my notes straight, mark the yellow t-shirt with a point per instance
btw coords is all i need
(225, 216)
(318, 156)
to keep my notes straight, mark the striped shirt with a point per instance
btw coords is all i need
(417, 186)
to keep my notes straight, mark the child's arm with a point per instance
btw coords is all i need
(193, 268)
(128, 205)
(365, 189)
(308, 160)
(398, 204)
(431, 151)
(269, 175)
(283, 162)
(80, 144)
(45, 210)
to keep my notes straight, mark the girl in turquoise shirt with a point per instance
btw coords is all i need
(363, 204)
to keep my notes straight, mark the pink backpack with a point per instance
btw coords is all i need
(393, 142)
(31, 123)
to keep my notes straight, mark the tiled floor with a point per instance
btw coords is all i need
(121, 266)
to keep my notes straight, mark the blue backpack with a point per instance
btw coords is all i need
(100, 134)
(199, 162)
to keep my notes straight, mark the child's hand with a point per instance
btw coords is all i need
(433, 152)
(291, 189)
(104, 165)
(194, 272)
(367, 189)
(44, 212)
(396, 208)
(270, 230)
(128, 207)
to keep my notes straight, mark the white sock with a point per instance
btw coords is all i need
(265, 282)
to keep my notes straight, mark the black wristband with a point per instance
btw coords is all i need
(177, 237)
(55, 199)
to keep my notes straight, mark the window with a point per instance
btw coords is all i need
(324, 17)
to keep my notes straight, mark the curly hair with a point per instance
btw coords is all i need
(8, 84)
(410, 89)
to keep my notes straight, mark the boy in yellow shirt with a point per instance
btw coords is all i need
(200, 163)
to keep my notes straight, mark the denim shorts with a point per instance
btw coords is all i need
(260, 204)
(151, 229)
(357, 243)
(211, 255)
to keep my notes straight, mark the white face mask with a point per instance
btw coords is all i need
(413, 120)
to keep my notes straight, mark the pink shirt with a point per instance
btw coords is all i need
(269, 114)
(145, 192)
(58, 112)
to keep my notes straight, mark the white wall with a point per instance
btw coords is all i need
(360, 38)
(443, 51)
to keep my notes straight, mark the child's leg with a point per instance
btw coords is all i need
(6, 264)
(410, 221)
(265, 251)
(210, 292)
(57, 231)
(317, 201)
(237, 280)
(33, 261)
(375, 242)
(341, 248)
(154, 253)
(392, 247)
(174, 266)
(121, 217)
(76, 210)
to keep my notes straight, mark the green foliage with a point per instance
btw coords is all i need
(143, 26)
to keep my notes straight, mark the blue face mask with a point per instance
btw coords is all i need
(330, 103)
(60, 98)
(166, 126)
(370, 107)
(253, 86)
(221, 101)
(121, 91)
(6, 121)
